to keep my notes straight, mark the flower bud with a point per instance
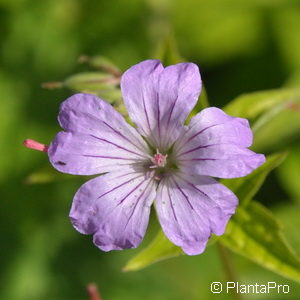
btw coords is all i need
(90, 81)
(102, 63)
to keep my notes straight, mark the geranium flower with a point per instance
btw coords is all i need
(161, 161)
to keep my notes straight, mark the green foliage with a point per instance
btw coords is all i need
(159, 249)
(255, 233)
(289, 173)
(278, 128)
(252, 105)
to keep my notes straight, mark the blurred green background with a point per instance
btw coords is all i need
(240, 46)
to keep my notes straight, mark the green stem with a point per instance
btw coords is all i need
(228, 268)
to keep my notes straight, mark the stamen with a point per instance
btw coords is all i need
(31, 144)
(159, 160)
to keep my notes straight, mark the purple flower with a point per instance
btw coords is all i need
(162, 161)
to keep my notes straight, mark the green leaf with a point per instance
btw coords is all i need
(159, 249)
(246, 187)
(254, 233)
(251, 105)
(278, 128)
(289, 174)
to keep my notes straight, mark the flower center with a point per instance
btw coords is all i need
(159, 160)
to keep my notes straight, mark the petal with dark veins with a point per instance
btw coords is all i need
(96, 139)
(215, 144)
(114, 208)
(191, 208)
(159, 99)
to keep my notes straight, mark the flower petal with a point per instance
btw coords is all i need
(191, 208)
(214, 144)
(223, 161)
(158, 100)
(97, 138)
(115, 208)
(212, 125)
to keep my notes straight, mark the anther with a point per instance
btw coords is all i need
(31, 144)
(159, 160)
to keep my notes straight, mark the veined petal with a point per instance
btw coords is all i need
(214, 144)
(159, 99)
(223, 161)
(82, 154)
(115, 208)
(191, 208)
(214, 126)
(139, 86)
(97, 138)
